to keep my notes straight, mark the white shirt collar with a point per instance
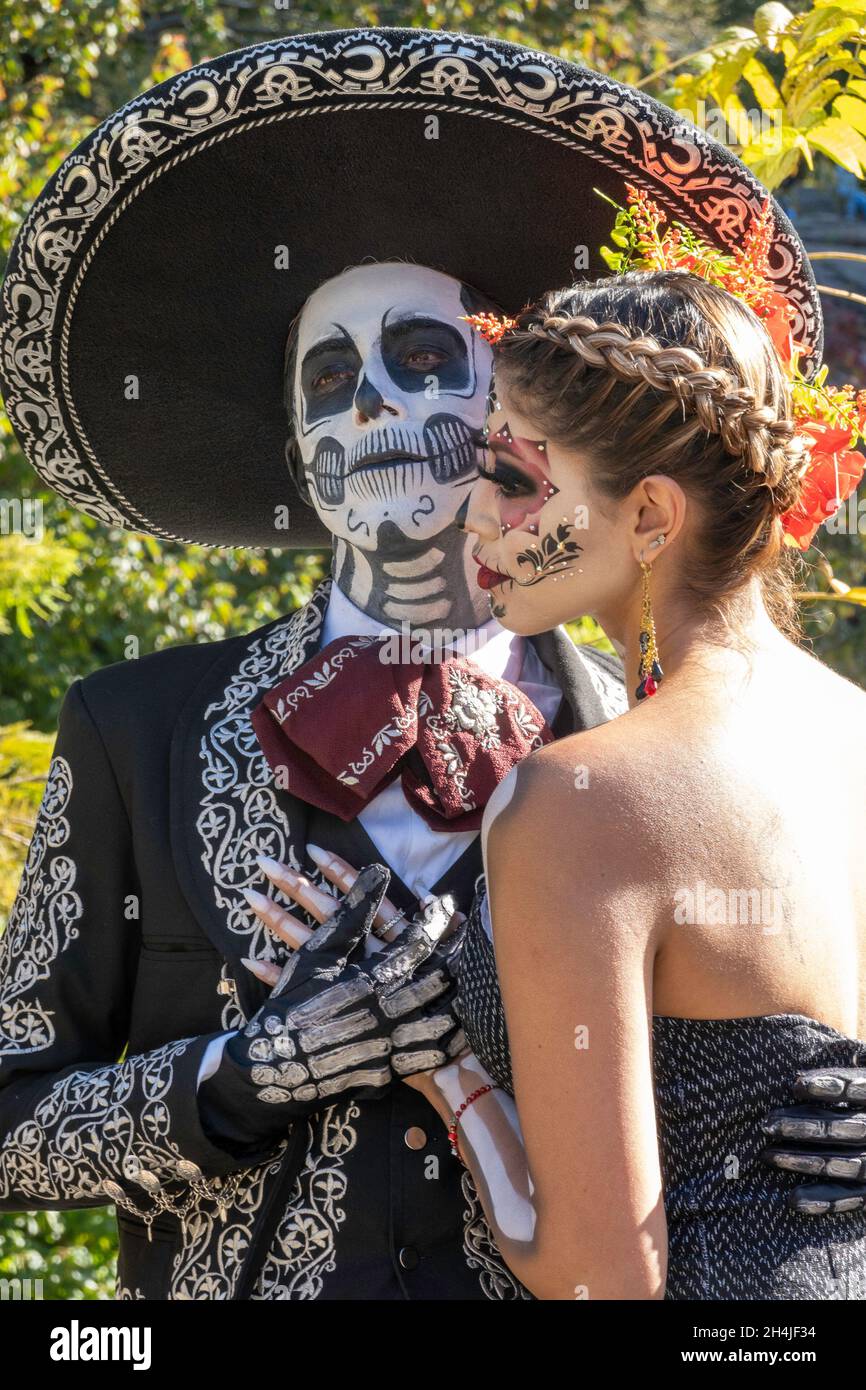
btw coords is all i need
(492, 647)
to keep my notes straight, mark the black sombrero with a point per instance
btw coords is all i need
(145, 308)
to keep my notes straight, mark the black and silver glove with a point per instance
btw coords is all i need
(824, 1138)
(338, 1023)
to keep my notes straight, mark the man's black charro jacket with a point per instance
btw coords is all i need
(125, 941)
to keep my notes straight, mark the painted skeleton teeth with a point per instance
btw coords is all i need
(328, 475)
(387, 482)
(449, 447)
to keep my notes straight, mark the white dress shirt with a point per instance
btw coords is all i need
(419, 855)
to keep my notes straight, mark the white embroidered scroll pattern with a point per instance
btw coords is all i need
(42, 922)
(110, 1124)
(304, 1247)
(239, 814)
(212, 1250)
(482, 1253)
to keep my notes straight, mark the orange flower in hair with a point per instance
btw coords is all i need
(490, 326)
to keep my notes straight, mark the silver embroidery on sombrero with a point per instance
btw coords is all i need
(282, 79)
(239, 815)
(304, 1247)
(42, 922)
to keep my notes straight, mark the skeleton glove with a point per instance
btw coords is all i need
(338, 1023)
(824, 1138)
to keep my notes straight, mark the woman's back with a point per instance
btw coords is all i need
(744, 819)
(731, 1233)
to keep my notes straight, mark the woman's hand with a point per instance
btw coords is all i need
(430, 1036)
(321, 905)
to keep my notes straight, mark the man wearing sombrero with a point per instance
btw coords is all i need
(301, 226)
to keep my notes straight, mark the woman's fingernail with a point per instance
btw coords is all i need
(318, 855)
(257, 900)
(254, 968)
(273, 867)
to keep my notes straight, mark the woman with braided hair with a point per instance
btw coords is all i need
(697, 931)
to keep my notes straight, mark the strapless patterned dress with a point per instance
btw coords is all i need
(731, 1233)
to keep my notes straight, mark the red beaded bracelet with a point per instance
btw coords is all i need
(452, 1128)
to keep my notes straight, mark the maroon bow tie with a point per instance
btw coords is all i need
(347, 723)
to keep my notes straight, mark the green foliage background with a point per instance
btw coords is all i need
(74, 600)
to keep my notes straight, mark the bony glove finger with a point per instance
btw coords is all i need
(847, 1165)
(816, 1125)
(403, 958)
(826, 1199)
(832, 1085)
(340, 937)
(429, 1038)
(435, 933)
(425, 1042)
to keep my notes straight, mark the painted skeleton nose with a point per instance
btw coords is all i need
(368, 401)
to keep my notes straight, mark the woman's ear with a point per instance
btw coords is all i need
(659, 509)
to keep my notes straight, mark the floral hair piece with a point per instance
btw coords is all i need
(830, 419)
(490, 326)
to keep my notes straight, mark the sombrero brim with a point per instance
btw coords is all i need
(149, 292)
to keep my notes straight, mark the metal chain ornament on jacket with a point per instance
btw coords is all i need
(338, 1023)
(447, 729)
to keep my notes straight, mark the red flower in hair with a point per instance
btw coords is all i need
(833, 473)
(777, 317)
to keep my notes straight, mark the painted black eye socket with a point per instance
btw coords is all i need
(432, 357)
(330, 378)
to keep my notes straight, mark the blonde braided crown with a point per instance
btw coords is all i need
(721, 404)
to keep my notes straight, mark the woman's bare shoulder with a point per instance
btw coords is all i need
(574, 799)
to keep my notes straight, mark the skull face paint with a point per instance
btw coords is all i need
(390, 389)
